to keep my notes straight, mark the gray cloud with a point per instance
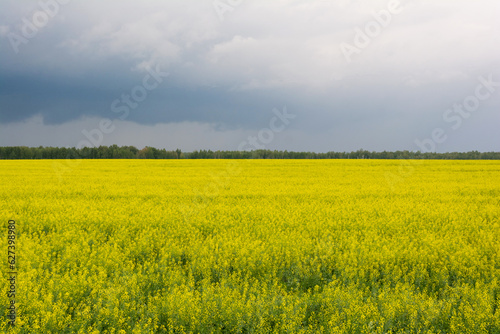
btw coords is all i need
(227, 75)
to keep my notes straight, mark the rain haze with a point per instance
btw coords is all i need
(297, 75)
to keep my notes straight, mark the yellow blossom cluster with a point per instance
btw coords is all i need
(253, 246)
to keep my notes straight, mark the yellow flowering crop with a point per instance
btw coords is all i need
(253, 246)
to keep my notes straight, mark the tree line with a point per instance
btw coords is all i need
(131, 152)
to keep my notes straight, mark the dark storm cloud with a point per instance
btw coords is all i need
(231, 73)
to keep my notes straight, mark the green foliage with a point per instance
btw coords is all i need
(130, 152)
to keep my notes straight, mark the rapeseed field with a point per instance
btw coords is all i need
(252, 246)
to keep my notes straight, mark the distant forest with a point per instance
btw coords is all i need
(131, 152)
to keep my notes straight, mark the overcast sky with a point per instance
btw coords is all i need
(311, 75)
